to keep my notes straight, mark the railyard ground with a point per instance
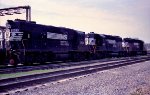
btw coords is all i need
(128, 80)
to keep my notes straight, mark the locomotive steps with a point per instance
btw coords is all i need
(31, 80)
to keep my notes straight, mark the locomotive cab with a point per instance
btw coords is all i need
(96, 45)
(13, 41)
(93, 39)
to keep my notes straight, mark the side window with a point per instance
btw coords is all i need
(56, 36)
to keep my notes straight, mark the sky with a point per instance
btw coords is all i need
(125, 18)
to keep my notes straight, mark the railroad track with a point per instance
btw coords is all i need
(31, 80)
(55, 65)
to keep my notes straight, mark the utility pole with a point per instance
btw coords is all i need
(12, 11)
(17, 10)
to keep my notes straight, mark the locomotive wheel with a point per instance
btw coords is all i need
(12, 61)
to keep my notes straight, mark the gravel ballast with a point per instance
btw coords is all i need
(128, 80)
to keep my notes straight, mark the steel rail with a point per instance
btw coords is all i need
(54, 65)
(14, 83)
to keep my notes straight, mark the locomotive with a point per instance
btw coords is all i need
(105, 45)
(134, 47)
(28, 42)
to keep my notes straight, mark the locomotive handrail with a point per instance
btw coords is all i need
(24, 48)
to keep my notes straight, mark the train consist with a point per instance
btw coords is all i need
(27, 42)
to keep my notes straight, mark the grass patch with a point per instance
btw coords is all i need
(2, 66)
(19, 74)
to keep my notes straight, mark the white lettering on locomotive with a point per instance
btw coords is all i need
(136, 44)
(111, 41)
(64, 43)
(15, 35)
(56, 36)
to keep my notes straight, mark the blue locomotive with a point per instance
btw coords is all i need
(27, 42)
(30, 42)
(134, 47)
(105, 45)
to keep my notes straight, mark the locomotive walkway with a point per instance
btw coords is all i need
(25, 81)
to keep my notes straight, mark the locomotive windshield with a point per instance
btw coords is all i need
(90, 39)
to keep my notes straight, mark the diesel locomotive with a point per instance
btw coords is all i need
(27, 42)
